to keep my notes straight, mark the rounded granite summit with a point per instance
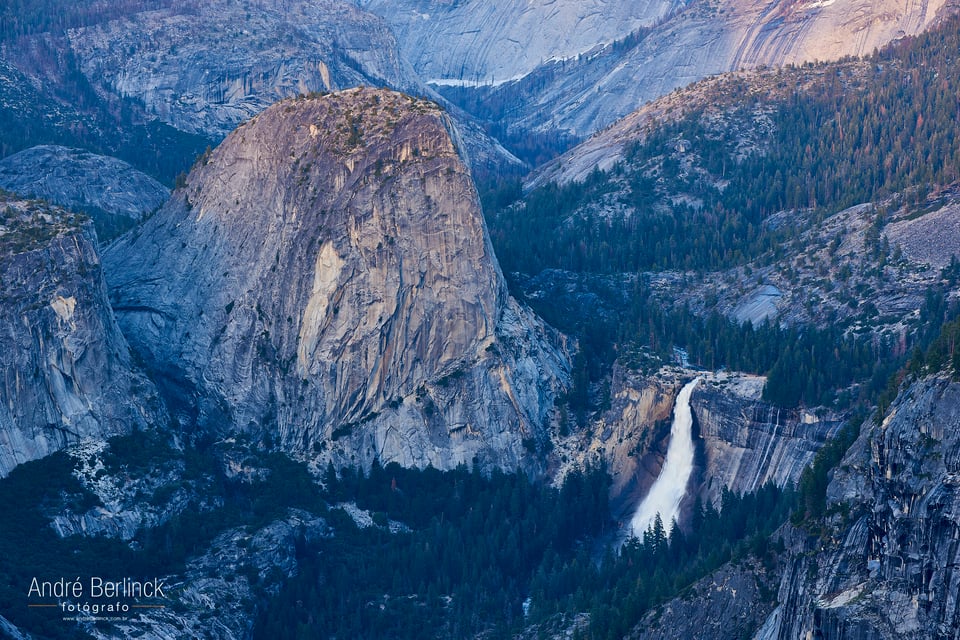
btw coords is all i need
(324, 280)
(114, 194)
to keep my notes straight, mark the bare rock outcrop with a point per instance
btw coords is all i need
(630, 437)
(110, 191)
(67, 370)
(325, 281)
(729, 603)
(748, 442)
(207, 66)
(889, 569)
(220, 590)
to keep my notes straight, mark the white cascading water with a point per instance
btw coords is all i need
(671, 485)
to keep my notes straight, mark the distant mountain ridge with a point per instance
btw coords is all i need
(191, 72)
(537, 76)
(486, 43)
(578, 94)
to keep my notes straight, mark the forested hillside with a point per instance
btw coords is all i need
(695, 193)
(741, 180)
(31, 116)
(27, 17)
(750, 188)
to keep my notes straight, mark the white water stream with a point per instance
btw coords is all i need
(671, 485)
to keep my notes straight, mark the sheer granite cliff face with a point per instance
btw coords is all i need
(631, 437)
(889, 569)
(206, 66)
(325, 282)
(67, 371)
(747, 442)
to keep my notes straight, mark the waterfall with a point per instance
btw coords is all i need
(671, 485)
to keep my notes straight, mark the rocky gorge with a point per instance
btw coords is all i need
(367, 188)
(882, 567)
(741, 442)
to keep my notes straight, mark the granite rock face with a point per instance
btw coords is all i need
(67, 370)
(480, 43)
(712, 37)
(631, 436)
(109, 190)
(579, 95)
(889, 569)
(207, 66)
(326, 282)
(748, 442)
(129, 498)
(221, 589)
(729, 603)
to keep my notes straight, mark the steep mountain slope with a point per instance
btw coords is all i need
(195, 68)
(716, 179)
(889, 570)
(67, 369)
(109, 190)
(205, 67)
(52, 111)
(488, 43)
(325, 282)
(581, 95)
(748, 443)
